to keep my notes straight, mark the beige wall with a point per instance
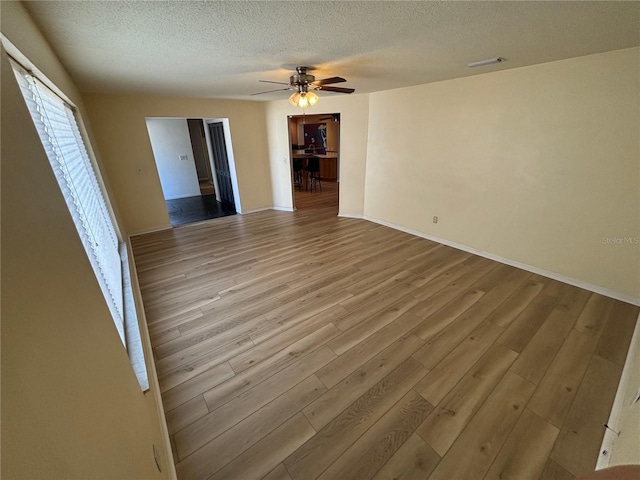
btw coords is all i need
(354, 113)
(71, 404)
(535, 165)
(118, 122)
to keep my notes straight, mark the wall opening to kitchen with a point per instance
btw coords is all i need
(315, 160)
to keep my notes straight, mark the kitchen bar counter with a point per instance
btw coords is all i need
(328, 164)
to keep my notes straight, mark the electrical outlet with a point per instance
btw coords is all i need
(435, 219)
(184, 158)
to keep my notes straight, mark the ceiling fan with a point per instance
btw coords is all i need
(303, 84)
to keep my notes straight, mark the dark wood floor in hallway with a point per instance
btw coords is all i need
(302, 345)
(200, 208)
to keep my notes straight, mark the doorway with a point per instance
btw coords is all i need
(186, 160)
(314, 142)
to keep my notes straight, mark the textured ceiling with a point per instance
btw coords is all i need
(222, 48)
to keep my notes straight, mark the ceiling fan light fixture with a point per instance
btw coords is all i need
(312, 98)
(293, 99)
(303, 99)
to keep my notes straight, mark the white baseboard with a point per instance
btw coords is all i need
(154, 386)
(611, 434)
(150, 230)
(253, 210)
(540, 271)
(283, 209)
(262, 209)
(351, 215)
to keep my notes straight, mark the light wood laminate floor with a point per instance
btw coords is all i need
(302, 345)
(325, 198)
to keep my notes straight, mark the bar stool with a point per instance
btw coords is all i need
(298, 167)
(313, 169)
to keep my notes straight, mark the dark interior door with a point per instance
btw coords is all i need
(221, 163)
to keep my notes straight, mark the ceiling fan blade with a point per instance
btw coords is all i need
(269, 81)
(269, 91)
(326, 81)
(336, 89)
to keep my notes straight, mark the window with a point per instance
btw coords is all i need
(58, 130)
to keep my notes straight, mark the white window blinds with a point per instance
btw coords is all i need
(60, 136)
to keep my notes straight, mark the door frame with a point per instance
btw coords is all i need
(291, 118)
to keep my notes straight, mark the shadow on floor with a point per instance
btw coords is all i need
(195, 209)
